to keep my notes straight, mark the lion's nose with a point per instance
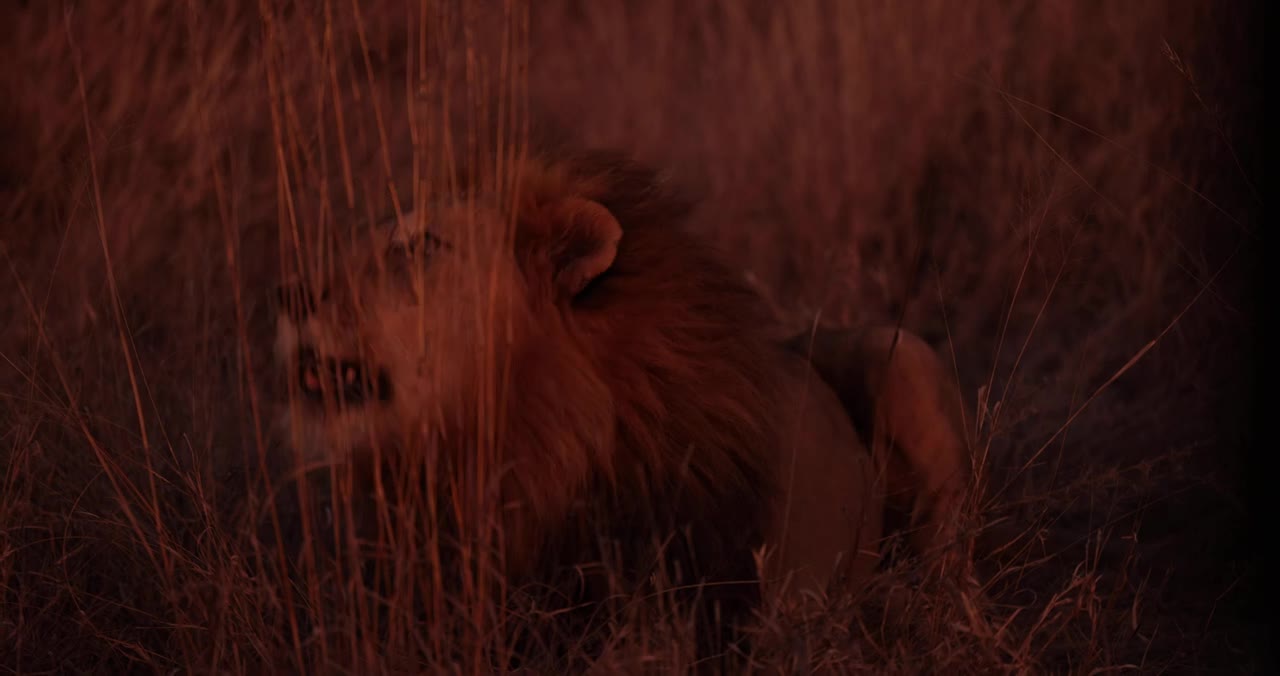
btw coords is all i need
(298, 300)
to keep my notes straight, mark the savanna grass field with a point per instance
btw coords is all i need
(1062, 197)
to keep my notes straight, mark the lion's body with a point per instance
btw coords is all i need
(908, 411)
(829, 504)
(618, 378)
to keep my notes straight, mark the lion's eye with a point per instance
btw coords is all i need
(311, 379)
(424, 244)
(345, 383)
(431, 242)
(360, 385)
(350, 375)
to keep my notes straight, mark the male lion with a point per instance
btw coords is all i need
(623, 389)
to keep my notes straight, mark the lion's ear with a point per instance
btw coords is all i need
(587, 245)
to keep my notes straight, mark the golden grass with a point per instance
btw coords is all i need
(1061, 193)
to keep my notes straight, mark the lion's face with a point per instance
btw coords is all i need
(392, 343)
(414, 328)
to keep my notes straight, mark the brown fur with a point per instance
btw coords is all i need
(908, 411)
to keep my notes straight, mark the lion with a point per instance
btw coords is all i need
(621, 386)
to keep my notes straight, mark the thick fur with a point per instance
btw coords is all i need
(626, 394)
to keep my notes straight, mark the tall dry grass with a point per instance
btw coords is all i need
(1062, 194)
